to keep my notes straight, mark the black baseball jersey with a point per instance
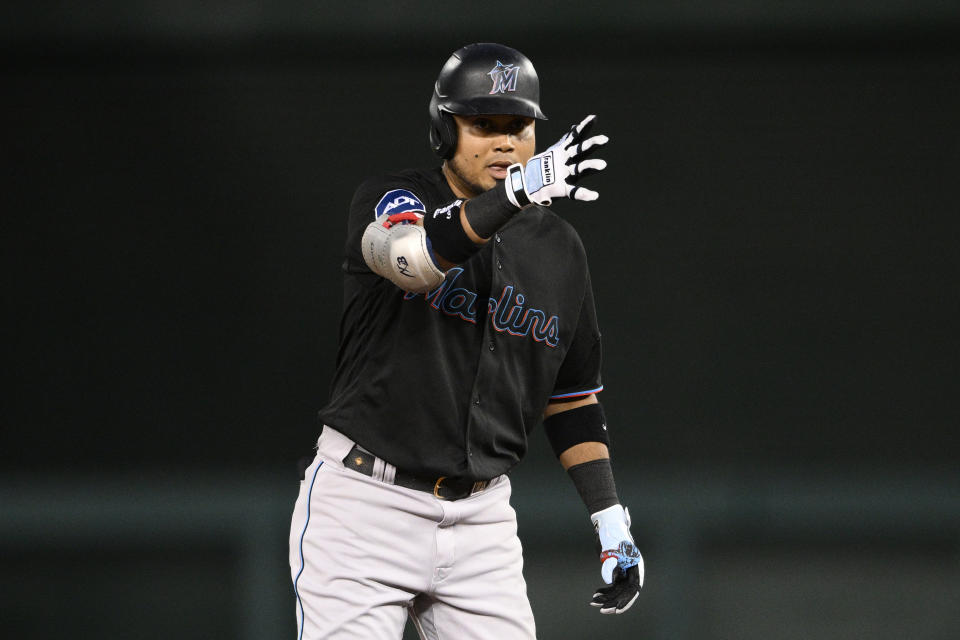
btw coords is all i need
(451, 382)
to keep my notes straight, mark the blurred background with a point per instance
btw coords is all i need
(774, 259)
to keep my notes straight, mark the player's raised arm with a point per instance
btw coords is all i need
(494, 176)
(496, 179)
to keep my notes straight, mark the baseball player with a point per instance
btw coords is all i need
(468, 319)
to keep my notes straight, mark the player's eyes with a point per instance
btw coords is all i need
(512, 127)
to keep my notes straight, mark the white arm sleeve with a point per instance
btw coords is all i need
(400, 254)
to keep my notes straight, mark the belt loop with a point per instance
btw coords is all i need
(389, 472)
(378, 470)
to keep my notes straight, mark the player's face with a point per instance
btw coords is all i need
(486, 146)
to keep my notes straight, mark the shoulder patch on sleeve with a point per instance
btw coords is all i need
(398, 201)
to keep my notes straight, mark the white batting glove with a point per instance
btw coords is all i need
(554, 173)
(622, 564)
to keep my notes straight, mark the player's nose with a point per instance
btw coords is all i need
(504, 143)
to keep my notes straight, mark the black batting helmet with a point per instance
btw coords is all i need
(481, 79)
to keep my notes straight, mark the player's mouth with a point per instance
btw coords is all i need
(498, 169)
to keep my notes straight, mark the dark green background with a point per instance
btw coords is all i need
(773, 255)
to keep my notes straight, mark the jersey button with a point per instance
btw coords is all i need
(499, 239)
(499, 264)
(476, 400)
(492, 346)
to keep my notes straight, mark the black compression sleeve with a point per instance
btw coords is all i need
(447, 236)
(490, 210)
(594, 483)
(585, 423)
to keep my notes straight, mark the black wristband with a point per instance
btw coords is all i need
(594, 483)
(447, 237)
(582, 424)
(490, 210)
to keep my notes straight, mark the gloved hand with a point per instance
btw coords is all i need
(622, 564)
(554, 172)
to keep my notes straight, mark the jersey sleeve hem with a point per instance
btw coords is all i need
(576, 394)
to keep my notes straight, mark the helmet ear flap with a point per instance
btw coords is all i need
(443, 133)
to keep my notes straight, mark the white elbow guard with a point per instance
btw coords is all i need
(399, 253)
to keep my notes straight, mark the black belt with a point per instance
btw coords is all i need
(443, 487)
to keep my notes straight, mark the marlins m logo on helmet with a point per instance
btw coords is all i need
(504, 78)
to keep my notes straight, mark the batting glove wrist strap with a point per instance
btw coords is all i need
(514, 186)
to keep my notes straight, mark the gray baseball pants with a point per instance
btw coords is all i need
(365, 554)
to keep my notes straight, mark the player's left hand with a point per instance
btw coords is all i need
(622, 564)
